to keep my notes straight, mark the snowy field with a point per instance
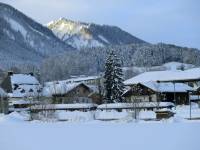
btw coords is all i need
(172, 134)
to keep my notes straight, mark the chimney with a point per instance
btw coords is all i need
(10, 73)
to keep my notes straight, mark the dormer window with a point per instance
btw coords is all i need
(31, 90)
(15, 86)
(22, 91)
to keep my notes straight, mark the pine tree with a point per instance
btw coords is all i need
(113, 79)
(109, 78)
(118, 87)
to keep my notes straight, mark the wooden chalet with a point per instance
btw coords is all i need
(158, 92)
(66, 93)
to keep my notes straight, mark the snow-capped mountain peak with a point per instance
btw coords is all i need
(73, 33)
(80, 34)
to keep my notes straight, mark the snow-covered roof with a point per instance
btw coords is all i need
(167, 87)
(94, 88)
(66, 106)
(19, 102)
(131, 105)
(82, 78)
(76, 79)
(172, 75)
(23, 79)
(25, 90)
(24, 85)
(59, 87)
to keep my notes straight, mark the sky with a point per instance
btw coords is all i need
(169, 21)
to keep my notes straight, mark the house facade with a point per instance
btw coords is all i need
(77, 94)
(63, 92)
(158, 92)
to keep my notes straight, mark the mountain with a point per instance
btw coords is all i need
(79, 34)
(24, 41)
(26, 45)
(91, 61)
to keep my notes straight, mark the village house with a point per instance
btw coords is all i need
(89, 80)
(21, 86)
(158, 92)
(94, 82)
(190, 77)
(63, 92)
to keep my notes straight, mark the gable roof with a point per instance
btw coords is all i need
(82, 79)
(59, 87)
(25, 90)
(166, 76)
(167, 87)
(23, 85)
(23, 79)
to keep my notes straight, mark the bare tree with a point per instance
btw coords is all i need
(46, 111)
(54, 91)
(101, 89)
(136, 106)
(158, 95)
(136, 102)
(31, 102)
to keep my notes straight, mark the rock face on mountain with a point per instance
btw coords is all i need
(24, 40)
(79, 34)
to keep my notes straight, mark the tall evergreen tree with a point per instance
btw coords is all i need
(108, 76)
(118, 87)
(113, 79)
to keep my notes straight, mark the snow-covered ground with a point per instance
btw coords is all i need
(77, 130)
(184, 111)
(74, 116)
(17, 134)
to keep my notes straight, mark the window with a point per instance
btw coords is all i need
(22, 91)
(150, 99)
